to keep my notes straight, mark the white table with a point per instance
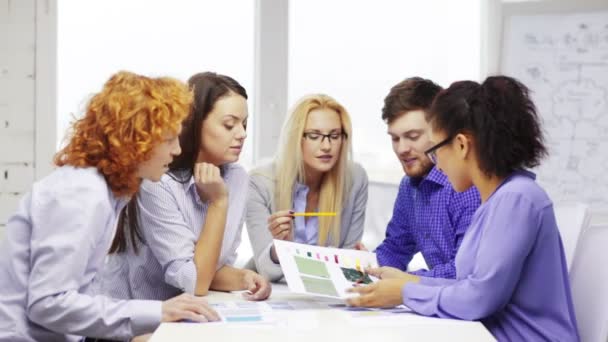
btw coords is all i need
(322, 324)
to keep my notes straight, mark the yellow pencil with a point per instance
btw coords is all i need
(315, 214)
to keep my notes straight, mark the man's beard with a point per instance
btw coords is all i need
(422, 168)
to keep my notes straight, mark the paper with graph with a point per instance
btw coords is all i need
(323, 271)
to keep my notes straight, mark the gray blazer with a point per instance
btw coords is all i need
(260, 205)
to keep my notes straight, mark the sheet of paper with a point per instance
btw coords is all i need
(323, 271)
(357, 312)
(243, 312)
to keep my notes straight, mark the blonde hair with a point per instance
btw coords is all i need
(289, 165)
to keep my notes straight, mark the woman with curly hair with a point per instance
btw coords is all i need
(182, 233)
(58, 239)
(510, 269)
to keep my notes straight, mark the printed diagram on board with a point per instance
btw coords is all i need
(563, 59)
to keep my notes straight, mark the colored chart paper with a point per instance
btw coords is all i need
(323, 271)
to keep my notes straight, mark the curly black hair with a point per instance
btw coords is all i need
(414, 93)
(500, 116)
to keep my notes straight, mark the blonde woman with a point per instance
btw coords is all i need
(313, 171)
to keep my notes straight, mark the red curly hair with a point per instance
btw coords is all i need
(122, 124)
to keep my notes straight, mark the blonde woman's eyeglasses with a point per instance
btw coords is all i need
(317, 137)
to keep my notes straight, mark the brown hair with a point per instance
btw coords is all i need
(208, 88)
(414, 93)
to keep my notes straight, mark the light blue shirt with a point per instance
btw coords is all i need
(305, 231)
(171, 218)
(54, 246)
(510, 270)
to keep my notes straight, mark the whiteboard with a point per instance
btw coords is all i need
(562, 56)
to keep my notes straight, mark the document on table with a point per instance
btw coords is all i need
(243, 312)
(323, 271)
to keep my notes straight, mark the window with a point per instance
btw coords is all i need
(151, 37)
(355, 51)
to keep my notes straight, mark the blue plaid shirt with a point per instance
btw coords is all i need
(429, 217)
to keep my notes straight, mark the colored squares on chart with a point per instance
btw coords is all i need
(347, 261)
(319, 286)
(311, 267)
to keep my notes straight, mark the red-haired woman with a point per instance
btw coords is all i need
(58, 239)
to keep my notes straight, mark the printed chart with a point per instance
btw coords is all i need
(323, 271)
(243, 312)
(273, 313)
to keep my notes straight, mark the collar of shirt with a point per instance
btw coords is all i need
(191, 189)
(299, 188)
(516, 173)
(434, 176)
(524, 173)
(191, 186)
(120, 203)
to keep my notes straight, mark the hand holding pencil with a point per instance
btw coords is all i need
(280, 223)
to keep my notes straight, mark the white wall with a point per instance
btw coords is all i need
(27, 99)
(17, 101)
